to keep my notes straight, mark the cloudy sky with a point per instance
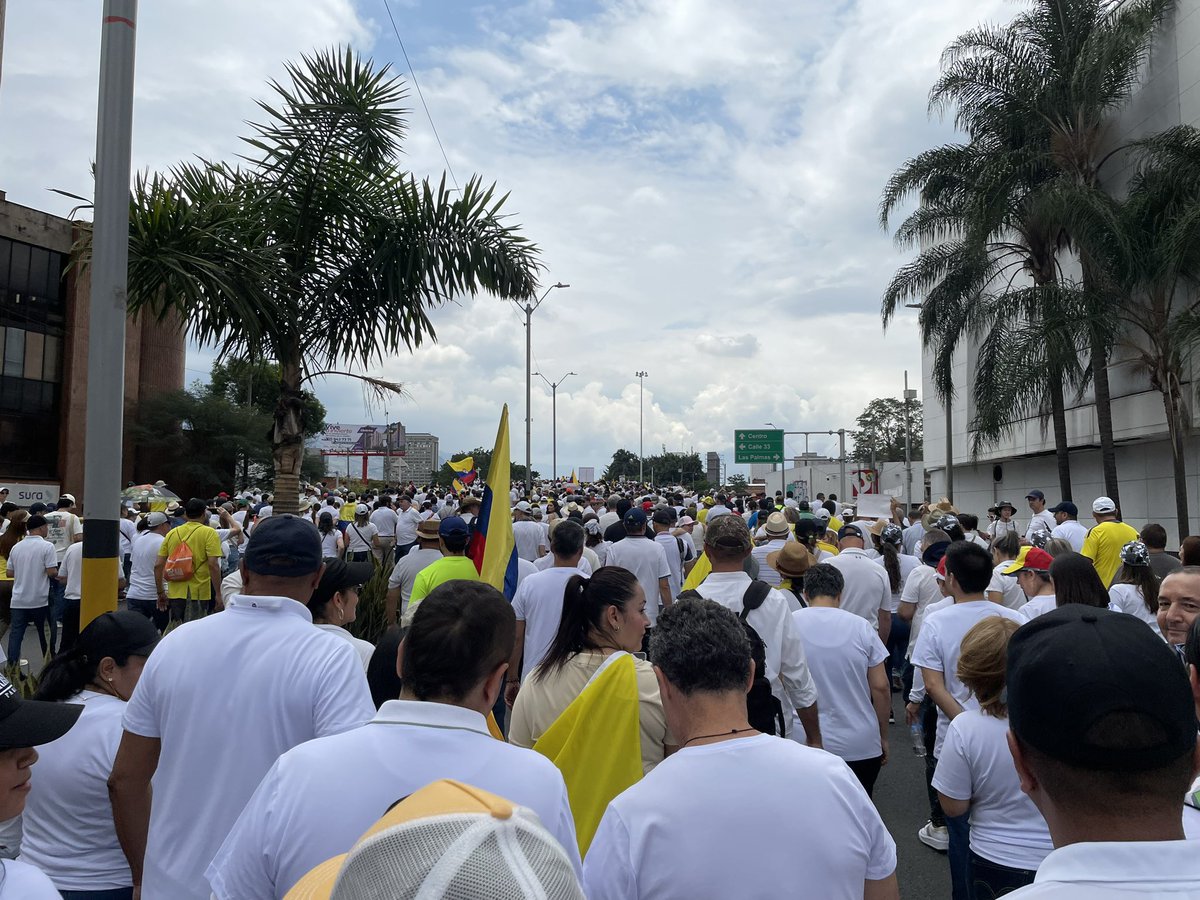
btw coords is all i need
(703, 173)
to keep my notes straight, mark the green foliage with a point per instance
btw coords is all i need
(881, 428)
(368, 621)
(738, 483)
(674, 468)
(624, 463)
(239, 378)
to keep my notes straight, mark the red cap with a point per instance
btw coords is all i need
(1037, 558)
(941, 568)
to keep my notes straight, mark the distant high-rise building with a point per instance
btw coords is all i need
(420, 457)
(713, 468)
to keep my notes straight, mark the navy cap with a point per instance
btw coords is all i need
(453, 525)
(635, 518)
(284, 546)
(851, 530)
(1067, 507)
(1035, 494)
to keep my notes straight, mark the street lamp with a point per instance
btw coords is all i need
(775, 466)
(529, 309)
(909, 396)
(641, 377)
(554, 417)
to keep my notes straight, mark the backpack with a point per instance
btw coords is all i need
(764, 712)
(180, 565)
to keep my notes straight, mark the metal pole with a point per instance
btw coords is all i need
(907, 447)
(109, 308)
(844, 497)
(528, 394)
(641, 431)
(949, 452)
(554, 431)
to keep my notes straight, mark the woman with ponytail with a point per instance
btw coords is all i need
(601, 615)
(1135, 589)
(69, 831)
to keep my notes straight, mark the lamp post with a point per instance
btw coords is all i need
(529, 310)
(641, 377)
(554, 418)
(909, 396)
(775, 466)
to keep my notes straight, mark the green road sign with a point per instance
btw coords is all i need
(757, 445)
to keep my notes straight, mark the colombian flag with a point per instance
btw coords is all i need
(492, 547)
(465, 468)
(574, 480)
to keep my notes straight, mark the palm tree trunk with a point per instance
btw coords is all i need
(1062, 447)
(1171, 406)
(287, 439)
(1108, 450)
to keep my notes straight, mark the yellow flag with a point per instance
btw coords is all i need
(493, 547)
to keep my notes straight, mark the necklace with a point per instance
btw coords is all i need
(701, 737)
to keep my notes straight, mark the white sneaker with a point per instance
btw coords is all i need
(935, 836)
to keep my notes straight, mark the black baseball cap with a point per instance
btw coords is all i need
(1072, 666)
(121, 633)
(338, 576)
(31, 723)
(852, 530)
(1066, 506)
(284, 546)
(663, 515)
(1035, 494)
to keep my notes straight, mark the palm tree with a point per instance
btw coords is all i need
(1062, 69)
(317, 251)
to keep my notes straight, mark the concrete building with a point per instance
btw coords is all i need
(43, 379)
(1169, 96)
(812, 474)
(420, 457)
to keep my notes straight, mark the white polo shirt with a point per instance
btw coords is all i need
(1040, 521)
(25, 882)
(68, 820)
(921, 590)
(528, 538)
(1006, 586)
(1071, 531)
(787, 665)
(226, 695)
(1111, 870)
(384, 519)
(302, 814)
(407, 521)
(867, 589)
(71, 568)
(28, 561)
(687, 830)
(647, 560)
(539, 604)
(141, 569)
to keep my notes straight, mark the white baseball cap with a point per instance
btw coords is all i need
(1103, 505)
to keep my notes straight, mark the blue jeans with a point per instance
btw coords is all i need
(959, 853)
(20, 621)
(897, 646)
(111, 894)
(58, 605)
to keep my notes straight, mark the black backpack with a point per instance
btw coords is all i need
(763, 709)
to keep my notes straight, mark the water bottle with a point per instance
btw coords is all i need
(918, 738)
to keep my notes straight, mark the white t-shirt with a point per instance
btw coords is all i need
(647, 560)
(1117, 870)
(229, 693)
(999, 528)
(585, 562)
(329, 542)
(686, 830)
(1072, 532)
(939, 646)
(1039, 605)
(407, 521)
(920, 589)
(913, 535)
(839, 647)
(69, 831)
(384, 519)
(867, 589)
(63, 526)
(364, 649)
(1127, 598)
(1006, 586)
(359, 537)
(72, 567)
(674, 561)
(299, 816)
(24, 882)
(141, 570)
(539, 604)
(1040, 521)
(529, 537)
(975, 764)
(128, 533)
(908, 565)
(28, 561)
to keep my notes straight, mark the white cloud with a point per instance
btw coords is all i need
(705, 175)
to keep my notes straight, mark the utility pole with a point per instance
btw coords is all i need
(109, 308)
(844, 497)
(641, 377)
(909, 396)
(554, 418)
(529, 310)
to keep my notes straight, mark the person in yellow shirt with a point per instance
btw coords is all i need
(1104, 542)
(454, 564)
(201, 594)
(346, 512)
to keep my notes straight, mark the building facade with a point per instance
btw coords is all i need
(420, 457)
(1169, 95)
(43, 341)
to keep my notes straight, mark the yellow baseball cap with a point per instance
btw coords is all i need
(1017, 564)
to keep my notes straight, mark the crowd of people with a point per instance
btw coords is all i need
(687, 695)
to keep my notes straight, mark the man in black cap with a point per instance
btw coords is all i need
(1102, 728)
(1042, 519)
(218, 702)
(1067, 527)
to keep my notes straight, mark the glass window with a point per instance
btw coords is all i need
(50, 368)
(39, 269)
(18, 277)
(14, 352)
(34, 345)
(5, 256)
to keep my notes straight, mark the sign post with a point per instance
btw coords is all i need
(758, 445)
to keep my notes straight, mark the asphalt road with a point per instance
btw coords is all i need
(903, 803)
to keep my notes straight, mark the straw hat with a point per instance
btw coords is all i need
(792, 561)
(942, 508)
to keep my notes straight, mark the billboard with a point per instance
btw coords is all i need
(587, 474)
(358, 440)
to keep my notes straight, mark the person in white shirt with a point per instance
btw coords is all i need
(229, 693)
(538, 604)
(128, 530)
(25, 724)
(776, 532)
(408, 518)
(384, 519)
(142, 594)
(70, 576)
(868, 592)
(528, 536)
(360, 536)
(1033, 577)
(32, 564)
(1042, 518)
(674, 548)
(970, 527)
(975, 772)
(1102, 724)
(1135, 589)
(646, 559)
(610, 516)
(727, 545)
(334, 603)
(303, 812)
(846, 659)
(1066, 515)
(1005, 524)
(404, 575)
(68, 821)
(1007, 556)
(688, 829)
(968, 572)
